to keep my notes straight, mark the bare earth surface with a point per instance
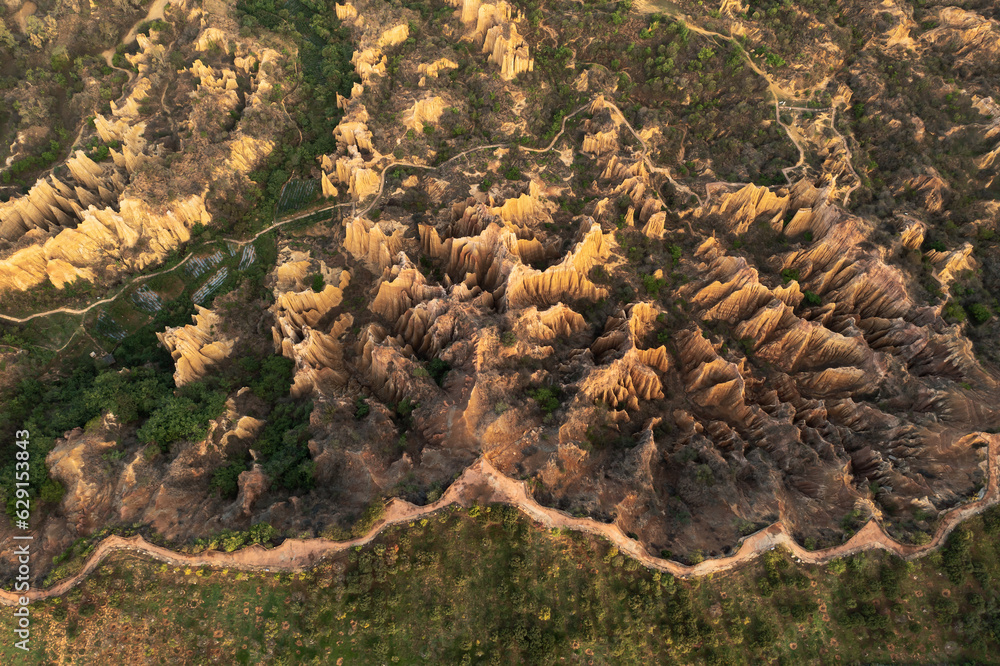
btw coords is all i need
(482, 483)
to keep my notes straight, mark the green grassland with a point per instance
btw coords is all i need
(484, 586)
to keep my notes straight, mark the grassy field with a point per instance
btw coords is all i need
(489, 588)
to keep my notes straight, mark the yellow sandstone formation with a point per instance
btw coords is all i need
(368, 243)
(508, 51)
(300, 313)
(195, 347)
(346, 12)
(424, 111)
(433, 69)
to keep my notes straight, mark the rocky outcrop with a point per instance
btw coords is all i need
(75, 461)
(977, 38)
(749, 204)
(305, 329)
(423, 112)
(196, 347)
(112, 217)
(368, 243)
(433, 69)
(565, 281)
(495, 25)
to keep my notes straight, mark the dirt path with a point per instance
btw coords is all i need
(21, 17)
(847, 152)
(482, 482)
(794, 140)
(155, 13)
(295, 218)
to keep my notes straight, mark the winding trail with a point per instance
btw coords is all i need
(650, 6)
(295, 218)
(155, 13)
(481, 482)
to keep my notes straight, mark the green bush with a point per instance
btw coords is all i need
(318, 283)
(703, 474)
(953, 312)
(548, 399)
(274, 378)
(283, 446)
(437, 369)
(653, 284)
(184, 416)
(361, 408)
(979, 313)
(369, 517)
(129, 394)
(405, 407)
(956, 557)
(225, 479)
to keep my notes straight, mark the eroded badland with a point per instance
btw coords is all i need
(690, 270)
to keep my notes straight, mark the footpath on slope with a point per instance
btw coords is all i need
(155, 13)
(481, 482)
(289, 220)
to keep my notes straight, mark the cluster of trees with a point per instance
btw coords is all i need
(323, 71)
(46, 78)
(139, 392)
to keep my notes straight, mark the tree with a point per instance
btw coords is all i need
(7, 40)
(40, 30)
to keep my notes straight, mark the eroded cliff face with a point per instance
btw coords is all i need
(197, 347)
(685, 400)
(303, 330)
(690, 360)
(172, 496)
(96, 221)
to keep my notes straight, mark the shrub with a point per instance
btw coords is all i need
(51, 491)
(508, 339)
(991, 520)
(548, 399)
(703, 474)
(274, 379)
(979, 313)
(361, 408)
(318, 283)
(371, 515)
(789, 274)
(283, 445)
(182, 417)
(812, 298)
(653, 284)
(956, 555)
(225, 479)
(406, 407)
(837, 567)
(437, 369)
(953, 312)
